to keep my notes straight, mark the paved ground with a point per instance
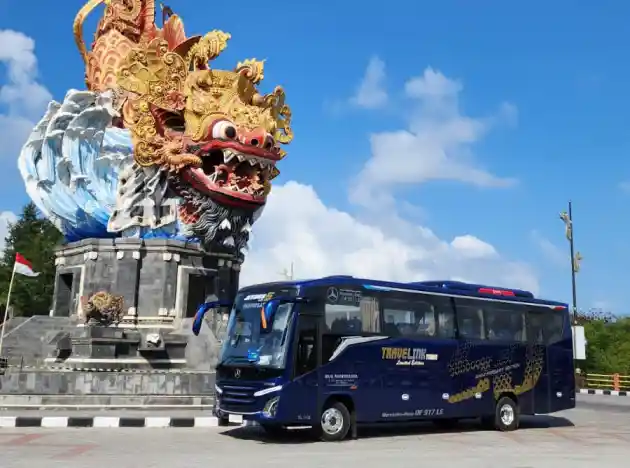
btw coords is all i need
(595, 434)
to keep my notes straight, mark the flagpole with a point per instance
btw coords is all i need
(6, 309)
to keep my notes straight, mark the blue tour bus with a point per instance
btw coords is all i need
(335, 352)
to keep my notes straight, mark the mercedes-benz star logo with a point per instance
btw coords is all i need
(332, 295)
(237, 374)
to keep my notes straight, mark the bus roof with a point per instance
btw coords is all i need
(454, 288)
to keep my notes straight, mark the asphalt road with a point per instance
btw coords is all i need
(597, 433)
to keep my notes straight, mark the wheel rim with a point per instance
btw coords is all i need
(507, 415)
(332, 421)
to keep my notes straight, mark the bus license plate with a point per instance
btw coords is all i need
(235, 418)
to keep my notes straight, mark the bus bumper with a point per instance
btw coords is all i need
(263, 416)
(261, 408)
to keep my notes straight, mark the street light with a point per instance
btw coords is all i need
(576, 257)
(288, 274)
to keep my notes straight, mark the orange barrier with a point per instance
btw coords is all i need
(615, 382)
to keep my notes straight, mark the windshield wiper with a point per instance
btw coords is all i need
(235, 340)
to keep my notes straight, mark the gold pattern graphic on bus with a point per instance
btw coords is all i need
(460, 364)
(533, 369)
(501, 382)
(482, 386)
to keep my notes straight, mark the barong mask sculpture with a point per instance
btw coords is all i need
(161, 144)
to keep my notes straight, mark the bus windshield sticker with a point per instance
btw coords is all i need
(407, 356)
(252, 301)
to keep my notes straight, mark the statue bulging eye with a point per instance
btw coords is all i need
(224, 130)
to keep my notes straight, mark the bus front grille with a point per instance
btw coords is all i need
(237, 397)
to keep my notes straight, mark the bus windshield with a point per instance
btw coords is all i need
(246, 342)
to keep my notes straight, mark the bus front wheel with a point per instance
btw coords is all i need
(506, 415)
(335, 422)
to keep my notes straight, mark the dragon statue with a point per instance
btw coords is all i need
(161, 144)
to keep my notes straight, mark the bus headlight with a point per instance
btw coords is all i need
(271, 407)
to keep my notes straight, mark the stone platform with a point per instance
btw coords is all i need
(41, 387)
(162, 283)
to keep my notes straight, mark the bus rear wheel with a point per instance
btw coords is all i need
(506, 415)
(334, 423)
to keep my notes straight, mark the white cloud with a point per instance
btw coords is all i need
(297, 227)
(436, 145)
(551, 251)
(371, 93)
(321, 240)
(23, 97)
(6, 218)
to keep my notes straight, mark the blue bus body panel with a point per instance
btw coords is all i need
(431, 287)
(390, 379)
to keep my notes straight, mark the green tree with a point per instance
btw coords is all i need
(35, 238)
(608, 343)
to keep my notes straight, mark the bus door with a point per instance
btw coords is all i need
(560, 360)
(472, 363)
(539, 396)
(351, 351)
(415, 358)
(300, 399)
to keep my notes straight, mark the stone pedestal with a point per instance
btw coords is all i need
(162, 283)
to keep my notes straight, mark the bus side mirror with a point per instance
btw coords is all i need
(201, 312)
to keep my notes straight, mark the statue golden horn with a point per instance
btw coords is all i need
(78, 26)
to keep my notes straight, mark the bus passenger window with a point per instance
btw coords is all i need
(554, 326)
(407, 318)
(446, 322)
(353, 319)
(504, 322)
(535, 327)
(470, 322)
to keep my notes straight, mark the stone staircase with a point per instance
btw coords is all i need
(28, 340)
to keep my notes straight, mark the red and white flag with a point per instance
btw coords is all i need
(23, 266)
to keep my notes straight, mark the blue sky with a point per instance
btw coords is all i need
(539, 89)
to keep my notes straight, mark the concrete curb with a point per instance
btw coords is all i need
(111, 422)
(590, 391)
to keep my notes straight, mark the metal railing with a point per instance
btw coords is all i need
(615, 382)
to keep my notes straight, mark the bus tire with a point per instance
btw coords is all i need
(334, 422)
(506, 415)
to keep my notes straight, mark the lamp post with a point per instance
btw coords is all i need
(576, 257)
(288, 274)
